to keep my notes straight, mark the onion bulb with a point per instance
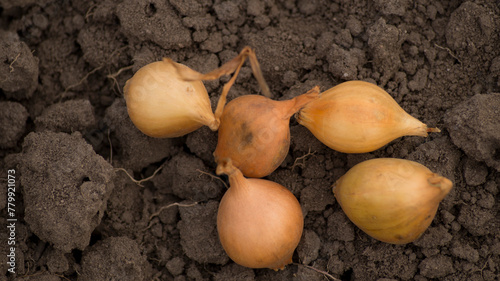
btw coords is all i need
(162, 105)
(358, 117)
(254, 132)
(259, 222)
(166, 99)
(392, 200)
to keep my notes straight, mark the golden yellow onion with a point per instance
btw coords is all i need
(358, 117)
(259, 222)
(162, 105)
(392, 200)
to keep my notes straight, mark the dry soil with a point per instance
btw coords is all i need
(65, 131)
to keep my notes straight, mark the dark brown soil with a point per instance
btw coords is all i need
(65, 131)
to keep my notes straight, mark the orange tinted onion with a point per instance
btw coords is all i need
(259, 222)
(254, 132)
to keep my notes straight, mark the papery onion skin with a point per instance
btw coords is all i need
(392, 200)
(259, 222)
(254, 132)
(358, 117)
(162, 105)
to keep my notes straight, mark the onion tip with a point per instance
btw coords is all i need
(433, 130)
(440, 182)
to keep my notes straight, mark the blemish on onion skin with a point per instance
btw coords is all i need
(246, 135)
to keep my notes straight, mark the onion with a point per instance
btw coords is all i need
(162, 105)
(392, 200)
(166, 99)
(254, 132)
(358, 117)
(259, 222)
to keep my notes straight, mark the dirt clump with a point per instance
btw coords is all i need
(201, 244)
(13, 117)
(114, 258)
(473, 129)
(68, 116)
(19, 68)
(64, 207)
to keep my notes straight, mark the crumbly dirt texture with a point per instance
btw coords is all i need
(65, 130)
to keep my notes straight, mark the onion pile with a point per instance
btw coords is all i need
(260, 222)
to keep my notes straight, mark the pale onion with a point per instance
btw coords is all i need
(358, 117)
(392, 200)
(162, 105)
(259, 222)
(254, 132)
